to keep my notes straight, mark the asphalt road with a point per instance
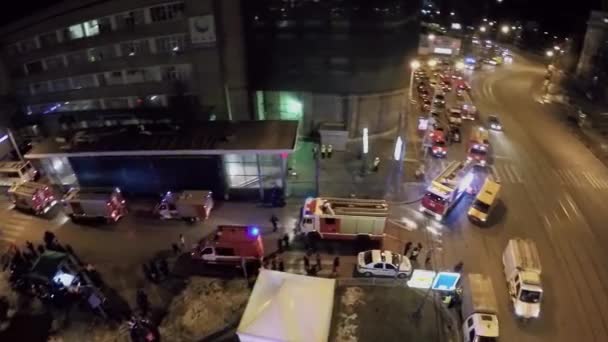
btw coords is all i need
(554, 192)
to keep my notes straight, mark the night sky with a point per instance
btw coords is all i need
(556, 15)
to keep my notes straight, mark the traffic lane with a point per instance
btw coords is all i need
(539, 169)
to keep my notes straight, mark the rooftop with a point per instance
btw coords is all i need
(210, 138)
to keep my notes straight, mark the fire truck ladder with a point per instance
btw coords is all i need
(357, 207)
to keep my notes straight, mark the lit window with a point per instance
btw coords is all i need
(75, 32)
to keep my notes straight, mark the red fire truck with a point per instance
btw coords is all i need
(231, 244)
(479, 146)
(31, 196)
(446, 189)
(106, 204)
(344, 218)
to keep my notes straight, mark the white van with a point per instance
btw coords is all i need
(16, 172)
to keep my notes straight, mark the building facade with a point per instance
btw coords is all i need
(331, 61)
(91, 63)
(593, 59)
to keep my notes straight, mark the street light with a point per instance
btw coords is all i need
(365, 141)
(432, 63)
(431, 37)
(459, 65)
(452, 14)
(415, 65)
(505, 29)
(549, 53)
(556, 48)
(397, 154)
(482, 28)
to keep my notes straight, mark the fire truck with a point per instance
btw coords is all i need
(231, 244)
(31, 196)
(106, 204)
(479, 146)
(344, 218)
(438, 146)
(189, 205)
(446, 189)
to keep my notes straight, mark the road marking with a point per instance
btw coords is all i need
(592, 180)
(577, 181)
(495, 173)
(516, 174)
(510, 176)
(559, 177)
(8, 239)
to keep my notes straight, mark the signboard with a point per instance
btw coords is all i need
(421, 279)
(439, 45)
(202, 30)
(446, 281)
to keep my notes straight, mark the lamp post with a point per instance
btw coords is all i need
(365, 151)
(413, 65)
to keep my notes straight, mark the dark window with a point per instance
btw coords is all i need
(167, 12)
(207, 251)
(379, 266)
(390, 267)
(308, 221)
(470, 322)
(330, 221)
(34, 67)
(471, 335)
(49, 39)
(224, 251)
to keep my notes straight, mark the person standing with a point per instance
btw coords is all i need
(142, 302)
(274, 220)
(318, 259)
(336, 265)
(306, 263)
(286, 241)
(427, 259)
(407, 248)
(414, 254)
(281, 267)
(273, 263)
(182, 241)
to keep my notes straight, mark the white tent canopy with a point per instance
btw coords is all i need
(288, 307)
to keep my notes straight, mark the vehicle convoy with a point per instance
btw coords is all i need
(438, 146)
(12, 172)
(231, 244)
(484, 202)
(479, 146)
(344, 218)
(469, 112)
(106, 204)
(383, 264)
(189, 205)
(479, 309)
(31, 196)
(455, 116)
(446, 189)
(522, 271)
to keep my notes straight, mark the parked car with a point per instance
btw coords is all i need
(377, 263)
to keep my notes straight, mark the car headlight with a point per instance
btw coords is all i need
(493, 126)
(469, 158)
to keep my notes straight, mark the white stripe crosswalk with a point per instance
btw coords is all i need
(12, 225)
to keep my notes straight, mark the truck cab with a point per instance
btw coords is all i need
(231, 244)
(523, 275)
(479, 309)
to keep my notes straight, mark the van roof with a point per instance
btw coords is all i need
(488, 191)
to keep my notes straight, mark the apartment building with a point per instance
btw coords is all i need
(92, 63)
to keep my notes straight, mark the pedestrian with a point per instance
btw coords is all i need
(175, 248)
(407, 247)
(163, 267)
(414, 254)
(306, 263)
(314, 271)
(427, 260)
(318, 259)
(274, 220)
(49, 238)
(182, 241)
(30, 246)
(142, 301)
(41, 249)
(146, 270)
(458, 267)
(419, 246)
(286, 241)
(336, 264)
(280, 245)
(273, 263)
(281, 267)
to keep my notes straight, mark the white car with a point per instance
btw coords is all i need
(377, 263)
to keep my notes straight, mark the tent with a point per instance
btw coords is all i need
(288, 307)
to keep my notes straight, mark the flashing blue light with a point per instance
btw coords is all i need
(254, 231)
(469, 60)
(3, 139)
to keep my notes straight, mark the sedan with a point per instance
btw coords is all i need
(377, 263)
(426, 105)
(494, 123)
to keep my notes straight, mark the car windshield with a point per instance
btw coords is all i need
(439, 97)
(486, 339)
(478, 151)
(433, 197)
(493, 119)
(440, 143)
(367, 257)
(481, 206)
(530, 296)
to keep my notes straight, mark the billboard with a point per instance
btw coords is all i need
(439, 45)
(202, 30)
